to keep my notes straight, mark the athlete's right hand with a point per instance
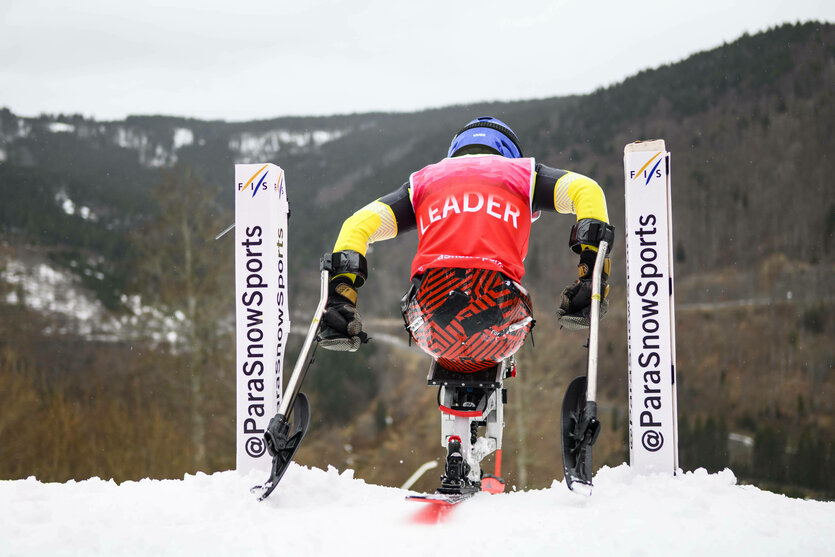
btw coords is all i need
(341, 328)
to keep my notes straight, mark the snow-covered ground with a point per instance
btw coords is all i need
(317, 512)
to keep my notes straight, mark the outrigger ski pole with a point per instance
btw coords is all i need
(281, 443)
(580, 426)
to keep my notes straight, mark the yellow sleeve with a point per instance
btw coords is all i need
(373, 223)
(575, 193)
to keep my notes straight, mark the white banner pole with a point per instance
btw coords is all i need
(261, 306)
(653, 419)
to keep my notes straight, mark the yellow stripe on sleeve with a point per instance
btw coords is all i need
(373, 223)
(562, 201)
(579, 194)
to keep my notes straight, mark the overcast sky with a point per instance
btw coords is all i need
(256, 59)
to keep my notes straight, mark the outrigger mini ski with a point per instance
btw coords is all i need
(281, 443)
(580, 427)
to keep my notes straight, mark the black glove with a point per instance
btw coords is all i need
(341, 328)
(574, 312)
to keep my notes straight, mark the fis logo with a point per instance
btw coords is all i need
(643, 173)
(259, 185)
(279, 186)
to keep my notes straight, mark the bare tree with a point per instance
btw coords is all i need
(187, 273)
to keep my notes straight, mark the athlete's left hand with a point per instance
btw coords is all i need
(574, 311)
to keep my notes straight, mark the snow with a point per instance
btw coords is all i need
(44, 288)
(183, 137)
(129, 139)
(66, 204)
(151, 155)
(156, 152)
(258, 146)
(23, 128)
(61, 127)
(47, 289)
(69, 207)
(318, 512)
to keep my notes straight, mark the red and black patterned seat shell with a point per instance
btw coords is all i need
(469, 319)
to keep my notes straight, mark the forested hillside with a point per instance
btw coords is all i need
(116, 345)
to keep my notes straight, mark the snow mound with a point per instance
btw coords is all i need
(323, 512)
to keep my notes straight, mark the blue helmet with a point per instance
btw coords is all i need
(486, 134)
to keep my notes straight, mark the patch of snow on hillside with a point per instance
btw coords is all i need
(23, 128)
(60, 127)
(159, 158)
(45, 289)
(70, 208)
(129, 139)
(150, 154)
(321, 136)
(65, 202)
(183, 137)
(261, 146)
(42, 288)
(158, 325)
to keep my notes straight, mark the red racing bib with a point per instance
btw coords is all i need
(473, 212)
